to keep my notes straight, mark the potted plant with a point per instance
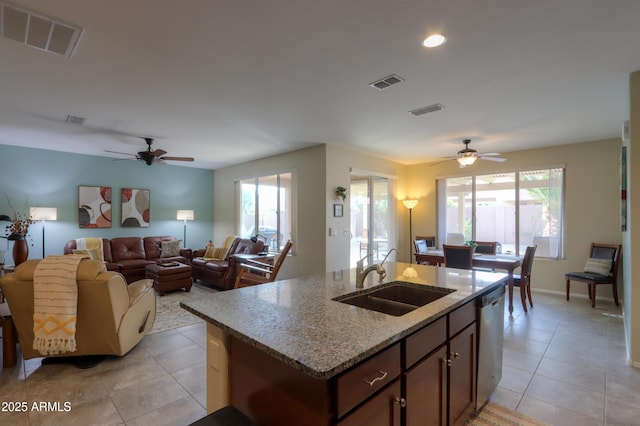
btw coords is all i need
(473, 245)
(341, 192)
(17, 231)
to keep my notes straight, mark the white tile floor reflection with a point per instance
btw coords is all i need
(564, 363)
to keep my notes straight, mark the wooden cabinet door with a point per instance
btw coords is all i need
(462, 374)
(381, 410)
(426, 390)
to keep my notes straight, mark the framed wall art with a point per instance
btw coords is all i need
(136, 205)
(337, 210)
(94, 206)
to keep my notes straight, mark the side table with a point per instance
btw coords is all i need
(9, 337)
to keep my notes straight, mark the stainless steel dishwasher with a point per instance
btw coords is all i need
(490, 340)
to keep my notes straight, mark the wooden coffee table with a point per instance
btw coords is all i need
(172, 276)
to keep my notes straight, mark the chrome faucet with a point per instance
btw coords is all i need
(388, 253)
(362, 273)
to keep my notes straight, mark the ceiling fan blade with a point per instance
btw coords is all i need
(498, 159)
(493, 154)
(178, 158)
(159, 152)
(116, 152)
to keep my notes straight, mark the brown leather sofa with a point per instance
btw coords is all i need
(130, 255)
(112, 316)
(221, 273)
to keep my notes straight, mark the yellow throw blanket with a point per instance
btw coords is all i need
(55, 304)
(91, 245)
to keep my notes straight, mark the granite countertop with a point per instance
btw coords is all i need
(297, 322)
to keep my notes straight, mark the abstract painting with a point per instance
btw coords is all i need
(94, 206)
(136, 204)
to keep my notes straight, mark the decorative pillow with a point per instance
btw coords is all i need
(93, 253)
(598, 266)
(219, 252)
(208, 252)
(170, 248)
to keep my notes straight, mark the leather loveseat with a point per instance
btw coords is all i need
(130, 255)
(112, 317)
(221, 273)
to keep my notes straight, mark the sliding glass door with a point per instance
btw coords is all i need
(370, 218)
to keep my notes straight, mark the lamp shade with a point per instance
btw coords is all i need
(410, 203)
(185, 215)
(43, 213)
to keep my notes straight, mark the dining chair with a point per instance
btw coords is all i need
(523, 280)
(429, 240)
(460, 257)
(253, 272)
(486, 247)
(601, 268)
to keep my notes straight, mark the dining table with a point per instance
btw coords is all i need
(502, 262)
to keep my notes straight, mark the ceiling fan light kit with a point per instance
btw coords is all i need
(468, 156)
(467, 160)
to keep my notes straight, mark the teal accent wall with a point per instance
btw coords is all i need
(35, 177)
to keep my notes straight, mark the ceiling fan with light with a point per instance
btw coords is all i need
(468, 156)
(156, 156)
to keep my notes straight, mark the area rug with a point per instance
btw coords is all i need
(170, 315)
(497, 415)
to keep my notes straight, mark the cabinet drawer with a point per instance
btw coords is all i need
(461, 317)
(366, 378)
(425, 341)
(383, 409)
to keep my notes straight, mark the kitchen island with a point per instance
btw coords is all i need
(283, 352)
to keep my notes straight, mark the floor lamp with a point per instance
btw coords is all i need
(43, 214)
(185, 215)
(410, 204)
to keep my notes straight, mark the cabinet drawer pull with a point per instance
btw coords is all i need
(382, 375)
(401, 402)
(456, 355)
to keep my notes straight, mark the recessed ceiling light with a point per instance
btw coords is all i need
(434, 40)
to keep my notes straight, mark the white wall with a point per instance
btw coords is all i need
(632, 236)
(340, 162)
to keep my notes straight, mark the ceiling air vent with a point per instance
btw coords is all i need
(388, 81)
(427, 109)
(78, 121)
(38, 31)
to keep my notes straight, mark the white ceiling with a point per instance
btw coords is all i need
(231, 81)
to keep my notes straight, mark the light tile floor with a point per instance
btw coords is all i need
(564, 363)
(160, 382)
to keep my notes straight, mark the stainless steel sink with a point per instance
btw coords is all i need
(396, 298)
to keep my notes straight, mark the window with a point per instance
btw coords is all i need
(266, 209)
(515, 209)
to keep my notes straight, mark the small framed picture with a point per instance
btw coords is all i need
(337, 210)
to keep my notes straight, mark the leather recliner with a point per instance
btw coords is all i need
(112, 316)
(221, 273)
